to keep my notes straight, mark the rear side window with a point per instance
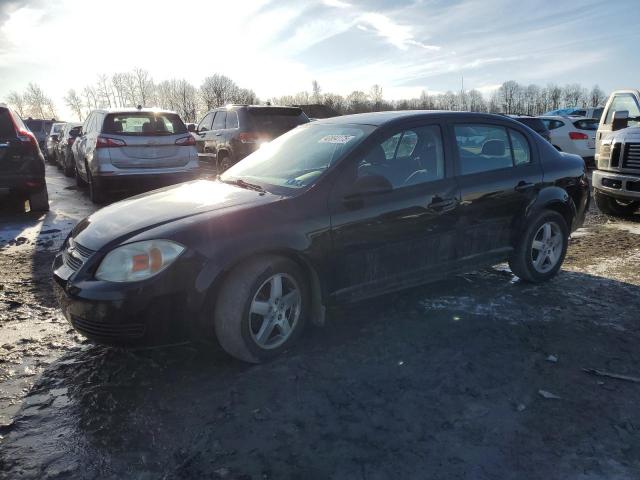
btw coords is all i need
(484, 148)
(588, 124)
(143, 124)
(553, 124)
(219, 121)
(275, 120)
(533, 123)
(6, 124)
(232, 120)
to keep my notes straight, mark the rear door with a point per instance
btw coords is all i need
(215, 139)
(499, 175)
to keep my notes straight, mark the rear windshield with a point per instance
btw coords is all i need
(533, 123)
(6, 124)
(588, 124)
(34, 125)
(275, 119)
(143, 124)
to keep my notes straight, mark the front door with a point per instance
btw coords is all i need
(204, 128)
(400, 236)
(498, 177)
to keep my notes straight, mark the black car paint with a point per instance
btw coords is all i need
(351, 249)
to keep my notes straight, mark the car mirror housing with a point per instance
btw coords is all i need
(620, 120)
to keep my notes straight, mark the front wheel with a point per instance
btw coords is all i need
(541, 249)
(96, 193)
(67, 166)
(261, 308)
(612, 206)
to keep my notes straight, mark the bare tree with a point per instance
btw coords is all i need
(555, 96)
(509, 93)
(375, 94)
(144, 87)
(18, 103)
(74, 102)
(316, 93)
(333, 101)
(103, 90)
(475, 101)
(597, 97)
(357, 102)
(572, 94)
(90, 97)
(39, 104)
(217, 90)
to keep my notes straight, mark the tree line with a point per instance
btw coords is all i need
(130, 89)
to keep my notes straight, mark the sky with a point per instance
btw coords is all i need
(277, 47)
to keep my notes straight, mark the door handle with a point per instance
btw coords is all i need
(218, 134)
(522, 186)
(442, 205)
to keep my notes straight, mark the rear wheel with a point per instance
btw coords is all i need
(541, 249)
(39, 201)
(67, 166)
(615, 207)
(225, 162)
(261, 308)
(96, 192)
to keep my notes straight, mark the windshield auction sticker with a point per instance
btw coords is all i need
(336, 139)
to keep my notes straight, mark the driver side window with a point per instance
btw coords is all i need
(406, 158)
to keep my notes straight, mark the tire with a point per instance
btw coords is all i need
(80, 182)
(67, 169)
(39, 201)
(224, 162)
(96, 192)
(524, 260)
(610, 206)
(237, 326)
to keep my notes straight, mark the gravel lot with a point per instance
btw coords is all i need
(478, 377)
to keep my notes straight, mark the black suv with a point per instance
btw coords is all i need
(535, 124)
(228, 134)
(40, 129)
(21, 162)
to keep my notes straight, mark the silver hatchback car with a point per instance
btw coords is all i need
(132, 149)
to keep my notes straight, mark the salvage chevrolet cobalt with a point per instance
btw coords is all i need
(333, 211)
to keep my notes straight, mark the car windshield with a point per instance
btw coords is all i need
(143, 124)
(298, 158)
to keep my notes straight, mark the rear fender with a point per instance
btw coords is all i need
(549, 198)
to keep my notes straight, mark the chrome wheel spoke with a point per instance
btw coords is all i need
(265, 330)
(546, 232)
(276, 287)
(537, 245)
(285, 327)
(260, 308)
(291, 299)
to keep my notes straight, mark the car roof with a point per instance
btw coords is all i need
(132, 110)
(380, 119)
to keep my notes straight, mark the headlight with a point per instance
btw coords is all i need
(138, 261)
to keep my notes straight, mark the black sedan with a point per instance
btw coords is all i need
(333, 211)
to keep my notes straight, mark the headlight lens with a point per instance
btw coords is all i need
(138, 261)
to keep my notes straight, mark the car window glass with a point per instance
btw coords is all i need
(232, 120)
(6, 124)
(406, 158)
(520, 148)
(144, 124)
(586, 124)
(482, 148)
(219, 120)
(621, 102)
(205, 123)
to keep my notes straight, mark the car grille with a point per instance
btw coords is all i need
(92, 328)
(75, 255)
(631, 157)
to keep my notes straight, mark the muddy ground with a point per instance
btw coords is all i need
(446, 381)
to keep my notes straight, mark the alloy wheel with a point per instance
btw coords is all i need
(275, 311)
(546, 248)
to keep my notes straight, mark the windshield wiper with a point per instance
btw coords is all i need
(241, 183)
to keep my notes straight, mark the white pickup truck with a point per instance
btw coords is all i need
(616, 180)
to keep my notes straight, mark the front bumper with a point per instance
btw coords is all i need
(623, 186)
(156, 311)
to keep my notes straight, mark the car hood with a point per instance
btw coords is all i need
(129, 217)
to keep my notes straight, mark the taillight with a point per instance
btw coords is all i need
(249, 137)
(578, 136)
(107, 142)
(27, 137)
(186, 141)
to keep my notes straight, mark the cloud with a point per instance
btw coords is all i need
(400, 36)
(336, 3)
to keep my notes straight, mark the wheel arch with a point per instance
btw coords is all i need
(315, 283)
(551, 198)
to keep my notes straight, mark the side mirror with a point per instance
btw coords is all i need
(369, 185)
(620, 120)
(191, 127)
